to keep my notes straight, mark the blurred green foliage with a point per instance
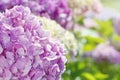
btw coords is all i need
(115, 4)
(88, 38)
(87, 68)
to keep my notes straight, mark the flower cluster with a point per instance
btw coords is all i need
(27, 52)
(116, 25)
(57, 10)
(66, 37)
(104, 52)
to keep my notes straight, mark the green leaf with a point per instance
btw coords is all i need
(101, 76)
(105, 28)
(89, 47)
(88, 76)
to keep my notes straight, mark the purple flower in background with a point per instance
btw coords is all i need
(57, 10)
(27, 52)
(105, 52)
(116, 24)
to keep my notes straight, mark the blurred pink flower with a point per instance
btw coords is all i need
(116, 24)
(104, 52)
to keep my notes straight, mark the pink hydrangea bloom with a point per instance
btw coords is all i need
(104, 52)
(116, 24)
(27, 52)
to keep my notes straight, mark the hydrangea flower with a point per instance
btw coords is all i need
(104, 52)
(27, 52)
(66, 37)
(116, 25)
(57, 10)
